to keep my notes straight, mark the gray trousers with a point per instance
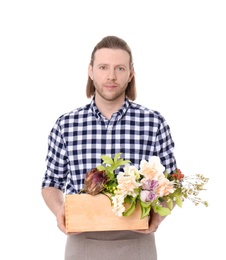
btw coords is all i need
(111, 245)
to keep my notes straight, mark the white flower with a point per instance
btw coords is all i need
(131, 171)
(151, 169)
(118, 204)
(127, 184)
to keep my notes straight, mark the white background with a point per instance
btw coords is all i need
(180, 62)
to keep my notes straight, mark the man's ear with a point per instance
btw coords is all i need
(90, 71)
(131, 74)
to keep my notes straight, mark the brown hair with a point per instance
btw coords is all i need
(112, 42)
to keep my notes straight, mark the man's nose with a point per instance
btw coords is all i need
(112, 74)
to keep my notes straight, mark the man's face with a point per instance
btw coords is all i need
(111, 73)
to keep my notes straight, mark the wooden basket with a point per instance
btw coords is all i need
(86, 212)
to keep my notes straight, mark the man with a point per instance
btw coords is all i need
(110, 124)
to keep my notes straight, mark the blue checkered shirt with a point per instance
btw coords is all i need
(79, 138)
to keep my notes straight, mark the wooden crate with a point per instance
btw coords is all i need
(86, 212)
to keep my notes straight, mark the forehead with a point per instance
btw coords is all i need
(112, 57)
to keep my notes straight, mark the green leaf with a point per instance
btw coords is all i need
(145, 211)
(111, 165)
(130, 209)
(107, 159)
(110, 175)
(170, 204)
(179, 202)
(162, 211)
(116, 157)
(121, 162)
(145, 208)
(145, 204)
(109, 169)
(129, 199)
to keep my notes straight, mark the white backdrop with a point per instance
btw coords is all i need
(180, 62)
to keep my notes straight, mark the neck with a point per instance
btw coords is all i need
(107, 107)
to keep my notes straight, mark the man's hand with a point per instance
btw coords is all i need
(60, 217)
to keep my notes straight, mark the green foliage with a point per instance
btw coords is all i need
(170, 204)
(162, 211)
(177, 196)
(145, 208)
(130, 209)
(110, 165)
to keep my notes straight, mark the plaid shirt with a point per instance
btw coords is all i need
(79, 138)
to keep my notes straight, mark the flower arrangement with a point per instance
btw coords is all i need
(150, 186)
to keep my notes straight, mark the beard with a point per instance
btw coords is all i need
(110, 95)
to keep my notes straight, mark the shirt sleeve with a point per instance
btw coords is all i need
(56, 160)
(165, 147)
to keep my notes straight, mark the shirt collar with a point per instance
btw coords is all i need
(120, 113)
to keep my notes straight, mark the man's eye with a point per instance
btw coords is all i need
(120, 68)
(103, 67)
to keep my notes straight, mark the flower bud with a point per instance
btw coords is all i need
(95, 181)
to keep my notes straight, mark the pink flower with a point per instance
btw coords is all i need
(148, 184)
(151, 169)
(165, 186)
(147, 195)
